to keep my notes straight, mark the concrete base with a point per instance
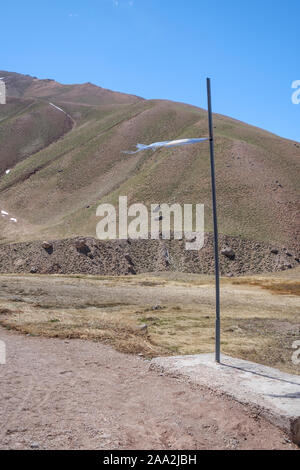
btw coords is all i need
(274, 394)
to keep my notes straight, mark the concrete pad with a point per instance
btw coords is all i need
(274, 394)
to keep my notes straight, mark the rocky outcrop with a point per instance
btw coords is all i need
(91, 256)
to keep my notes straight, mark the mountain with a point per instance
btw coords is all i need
(64, 143)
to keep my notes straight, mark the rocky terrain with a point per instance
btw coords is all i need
(91, 256)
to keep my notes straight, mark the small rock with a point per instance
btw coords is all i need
(228, 252)
(47, 247)
(81, 246)
(233, 329)
(274, 251)
(34, 445)
(143, 327)
(156, 307)
(33, 270)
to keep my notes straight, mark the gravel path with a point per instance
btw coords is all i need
(58, 394)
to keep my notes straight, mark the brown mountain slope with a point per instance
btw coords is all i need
(24, 86)
(54, 192)
(27, 126)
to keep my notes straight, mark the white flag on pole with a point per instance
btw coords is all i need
(167, 143)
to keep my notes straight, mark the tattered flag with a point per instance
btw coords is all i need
(168, 143)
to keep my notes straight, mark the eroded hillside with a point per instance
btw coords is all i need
(65, 162)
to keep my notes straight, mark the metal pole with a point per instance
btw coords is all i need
(214, 202)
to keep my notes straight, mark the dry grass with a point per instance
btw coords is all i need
(109, 325)
(283, 287)
(257, 324)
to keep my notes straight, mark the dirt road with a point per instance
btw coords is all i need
(78, 394)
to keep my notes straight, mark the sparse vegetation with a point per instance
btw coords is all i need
(59, 177)
(258, 324)
(86, 167)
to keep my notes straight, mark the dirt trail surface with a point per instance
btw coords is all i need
(76, 394)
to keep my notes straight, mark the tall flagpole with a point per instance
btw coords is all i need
(214, 202)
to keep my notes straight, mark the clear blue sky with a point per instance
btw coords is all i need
(165, 49)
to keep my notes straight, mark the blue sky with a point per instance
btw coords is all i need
(166, 49)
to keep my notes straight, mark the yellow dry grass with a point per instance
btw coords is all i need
(160, 314)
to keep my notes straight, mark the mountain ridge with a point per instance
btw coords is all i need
(73, 164)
